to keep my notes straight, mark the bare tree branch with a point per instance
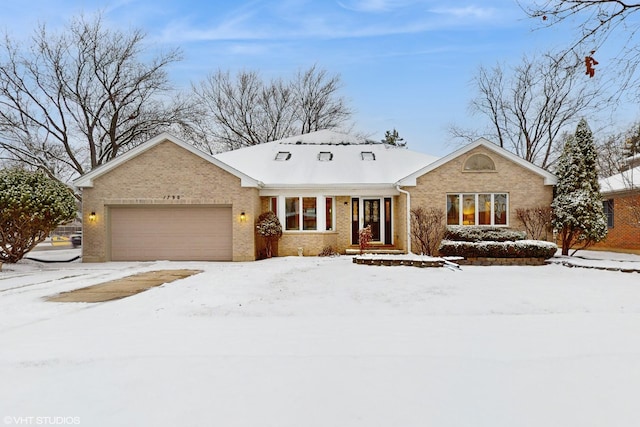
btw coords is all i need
(74, 100)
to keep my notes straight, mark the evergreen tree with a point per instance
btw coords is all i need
(393, 138)
(577, 206)
(31, 206)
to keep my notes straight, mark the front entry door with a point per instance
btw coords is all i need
(371, 214)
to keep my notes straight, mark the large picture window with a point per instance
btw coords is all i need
(477, 209)
(309, 213)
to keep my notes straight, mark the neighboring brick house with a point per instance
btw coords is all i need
(621, 200)
(167, 200)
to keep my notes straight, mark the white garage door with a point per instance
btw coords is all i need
(171, 233)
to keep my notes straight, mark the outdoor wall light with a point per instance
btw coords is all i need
(243, 217)
(92, 216)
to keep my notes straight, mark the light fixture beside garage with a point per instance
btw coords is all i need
(92, 217)
(243, 217)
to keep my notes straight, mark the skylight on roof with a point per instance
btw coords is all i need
(283, 155)
(325, 156)
(367, 155)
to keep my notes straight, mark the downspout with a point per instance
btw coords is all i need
(408, 216)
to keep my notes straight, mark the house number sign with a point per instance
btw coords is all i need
(171, 197)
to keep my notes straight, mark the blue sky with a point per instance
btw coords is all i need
(404, 64)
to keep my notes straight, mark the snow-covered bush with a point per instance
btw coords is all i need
(482, 234)
(510, 249)
(269, 228)
(32, 205)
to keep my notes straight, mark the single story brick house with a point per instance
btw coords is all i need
(621, 200)
(166, 199)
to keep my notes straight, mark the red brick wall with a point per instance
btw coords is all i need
(625, 234)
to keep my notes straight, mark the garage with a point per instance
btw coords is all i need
(176, 233)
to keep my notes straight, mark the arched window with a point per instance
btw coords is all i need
(479, 162)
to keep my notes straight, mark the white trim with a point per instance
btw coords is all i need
(410, 180)
(86, 180)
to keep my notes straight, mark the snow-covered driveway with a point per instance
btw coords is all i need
(323, 342)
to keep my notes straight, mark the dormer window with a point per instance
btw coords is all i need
(325, 156)
(367, 155)
(283, 156)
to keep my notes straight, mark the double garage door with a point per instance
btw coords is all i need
(184, 233)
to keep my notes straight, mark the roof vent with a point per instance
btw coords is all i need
(283, 155)
(325, 156)
(368, 155)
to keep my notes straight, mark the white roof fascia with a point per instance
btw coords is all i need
(410, 180)
(333, 190)
(86, 180)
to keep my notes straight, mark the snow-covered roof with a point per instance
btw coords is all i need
(627, 180)
(326, 158)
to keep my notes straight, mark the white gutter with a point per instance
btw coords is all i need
(408, 216)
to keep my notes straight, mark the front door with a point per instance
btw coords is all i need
(371, 214)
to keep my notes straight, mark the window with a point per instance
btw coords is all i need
(283, 156)
(273, 205)
(325, 156)
(607, 206)
(477, 209)
(292, 212)
(328, 213)
(309, 213)
(367, 155)
(484, 209)
(453, 209)
(479, 162)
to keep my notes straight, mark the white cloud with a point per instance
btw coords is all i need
(474, 12)
(374, 5)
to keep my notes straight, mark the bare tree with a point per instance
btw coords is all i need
(245, 111)
(74, 100)
(317, 105)
(242, 112)
(597, 22)
(529, 105)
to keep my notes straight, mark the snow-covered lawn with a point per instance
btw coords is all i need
(324, 342)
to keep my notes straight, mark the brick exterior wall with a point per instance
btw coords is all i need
(167, 175)
(525, 188)
(625, 234)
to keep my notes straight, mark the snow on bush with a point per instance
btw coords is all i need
(268, 226)
(508, 249)
(482, 234)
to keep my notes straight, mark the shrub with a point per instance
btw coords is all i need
(364, 238)
(482, 234)
(509, 249)
(328, 251)
(268, 226)
(537, 221)
(32, 206)
(427, 229)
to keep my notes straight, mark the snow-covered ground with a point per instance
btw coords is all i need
(324, 342)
